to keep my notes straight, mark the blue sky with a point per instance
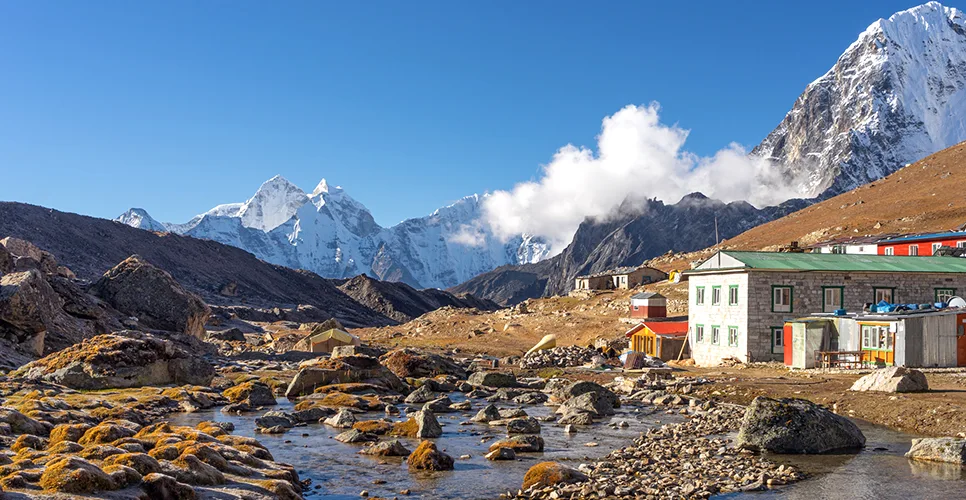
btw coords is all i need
(178, 106)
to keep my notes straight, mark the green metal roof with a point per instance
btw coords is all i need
(842, 262)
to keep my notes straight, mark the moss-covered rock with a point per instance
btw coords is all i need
(67, 432)
(252, 393)
(75, 475)
(166, 487)
(427, 456)
(550, 474)
(143, 463)
(378, 427)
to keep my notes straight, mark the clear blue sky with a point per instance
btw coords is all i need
(177, 106)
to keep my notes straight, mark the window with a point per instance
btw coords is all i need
(715, 335)
(935, 247)
(832, 298)
(716, 295)
(781, 298)
(777, 339)
(733, 336)
(884, 293)
(876, 338)
(733, 295)
(838, 249)
(699, 296)
(889, 251)
(913, 249)
(944, 294)
(699, 333)
(961, 244)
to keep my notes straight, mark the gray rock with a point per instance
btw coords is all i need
(344, 419)
(531, 398)
(356, 350)
(501, 454)
(520, 443)
(461, 406)
(576, 418)
(951, 450)
(356, 436)
(491, 412)
(421, 395)
(527, 425)
(441, 405)
(428, 425)
(796, 426)
(513, 413)
(588, 402)
(391, 448)
(892, 379)
(274, 419)
(493, 379)
(312, 414)
(579, 388)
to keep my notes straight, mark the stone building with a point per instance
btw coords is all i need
(738, 302)
(622, 278)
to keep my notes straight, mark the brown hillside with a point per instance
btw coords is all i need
(923, 197)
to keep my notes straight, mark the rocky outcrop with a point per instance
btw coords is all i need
(892, 379)
(410, 363)
(137, 288)
(796, 426)
(253, 394)
(122, 359)
(28, 305)
(950, 450)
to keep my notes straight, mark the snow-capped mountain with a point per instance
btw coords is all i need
(896, 95)
(329, 233)
(138, 217)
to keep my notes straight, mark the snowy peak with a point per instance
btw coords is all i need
(275, 202)
(897, 94)
(321, 188)
(139, 218)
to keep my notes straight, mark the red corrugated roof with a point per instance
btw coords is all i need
(667, 327)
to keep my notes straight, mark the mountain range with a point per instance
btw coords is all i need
(331, 234)
(897, 94)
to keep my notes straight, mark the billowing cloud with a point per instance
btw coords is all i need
(638, 157)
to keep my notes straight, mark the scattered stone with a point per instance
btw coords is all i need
(493, 379)
(251, 393)
(501, 454)
(391, 448)
(356, 436)
(520, 443)
(490, 413)
(527, 425)
(421, 395)
(441, 405)
(344, 419)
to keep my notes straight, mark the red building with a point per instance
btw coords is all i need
(648, 305)
(922, 244)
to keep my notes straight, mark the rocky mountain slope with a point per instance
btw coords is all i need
(897, 94)
(331, 234)
(219, 273)
(637, 233)
(403, 303)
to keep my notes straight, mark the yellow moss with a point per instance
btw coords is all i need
(282, 490)
(67, 432)
(408, 428)
(143, 463)
(374, 426)
(74, 475)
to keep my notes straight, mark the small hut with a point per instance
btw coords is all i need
(329, 339)
(659, 339)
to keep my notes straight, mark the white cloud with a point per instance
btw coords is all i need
(637, 156)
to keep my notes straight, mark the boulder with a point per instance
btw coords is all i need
(6, 261)
(275, 419)
(576, 418)
(25, 256)
(547, 474)
(493, 379)
(252, 393)
(428, 426)
(342, 351)
(892, 379)
(22, 424)
(440, 405)
(950, 450)
(344, 370)
(488, 414)
(521, 443)
(344, 419)
(526, 425)
(72, 474)
(166, 487)
(410, 363)
(28, 305)
(501, 454)
(421, 395)
(427, 457)
(572, 390)
(391, 448)
(356, 436)
(796, 426)
(137, 288)
(589, 402)
(120, 360)
(229, 335)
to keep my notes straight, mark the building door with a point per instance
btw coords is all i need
(961, 340)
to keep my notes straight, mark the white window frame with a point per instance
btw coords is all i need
(732, 295)
(715, 335)
(827, 305)
(876, 338)
(699, 295)
(733, 336)
(699, 333)
(776, 306)
(777, 340)
(961, 244)
(892, 294)
(914, 250)
(889, 251)
(716, 290)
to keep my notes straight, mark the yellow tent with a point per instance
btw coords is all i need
(329, 339)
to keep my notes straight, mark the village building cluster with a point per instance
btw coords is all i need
(857, 303)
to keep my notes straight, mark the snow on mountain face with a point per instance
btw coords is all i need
(139, 218)
(896, 95)
(335, 236)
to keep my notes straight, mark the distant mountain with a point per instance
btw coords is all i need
(403, 303)
(331, 234)
(640, 231)
(897, 94)
(220, 274)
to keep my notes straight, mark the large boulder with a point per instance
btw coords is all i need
(796, 426)
(28, 305)
(137, 288)
(892, 379)
(951, 450)
(24, 256)
(251, 393)
(410, 363)
(120, 360)
(344, 370)
(563, 393)
(591, 403)
(551, 474)
(493, 379)
(6, 261)
(427, 457)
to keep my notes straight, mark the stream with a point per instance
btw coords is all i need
(338, 472)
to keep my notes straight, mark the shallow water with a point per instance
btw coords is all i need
(340, 472)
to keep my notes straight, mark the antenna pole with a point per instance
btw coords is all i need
(717, 240)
